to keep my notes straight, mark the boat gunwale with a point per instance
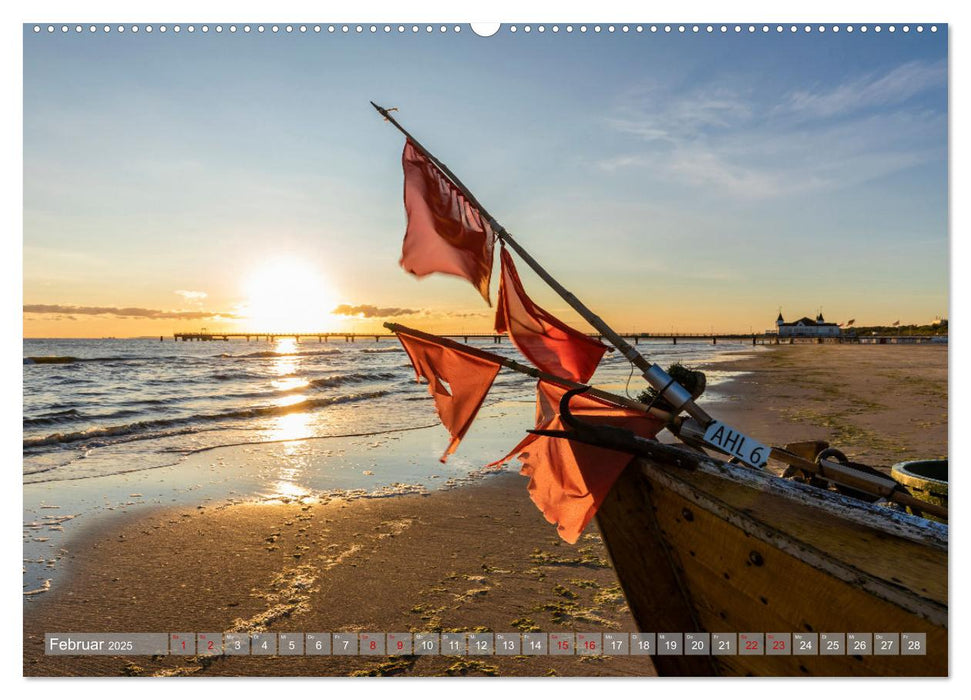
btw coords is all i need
(878, 517)
(931, 610)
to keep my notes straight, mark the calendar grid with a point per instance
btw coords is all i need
(487, 644)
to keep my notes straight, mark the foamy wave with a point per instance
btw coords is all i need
(353, 378)
(69, 359)
(71, 414)
(138, 427)
(266, 354)
(49, 360)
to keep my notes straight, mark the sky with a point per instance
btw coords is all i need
(674, 182)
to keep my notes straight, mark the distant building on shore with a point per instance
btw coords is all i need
(806, 327)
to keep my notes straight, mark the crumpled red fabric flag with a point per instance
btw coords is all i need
(569, 480)
(445, 233)
(457, 382)
(549, 343)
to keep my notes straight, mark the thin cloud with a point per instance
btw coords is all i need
(468, 314)
(371, 311)
(189, 295)
(752, 145)
(891, 88)
(704, 168)
(619, 162)
(654, 114)
(123, 312)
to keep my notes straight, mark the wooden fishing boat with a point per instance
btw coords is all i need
(717, 547)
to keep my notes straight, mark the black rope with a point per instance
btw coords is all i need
(659, 394)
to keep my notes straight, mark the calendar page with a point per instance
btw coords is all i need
(525, 349)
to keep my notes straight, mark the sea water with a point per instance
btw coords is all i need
(112, 426)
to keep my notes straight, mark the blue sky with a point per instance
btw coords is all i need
(670, 180)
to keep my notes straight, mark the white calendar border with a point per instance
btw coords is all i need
(830, 11)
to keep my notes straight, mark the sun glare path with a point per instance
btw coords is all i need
(286, 366)
(289, 426)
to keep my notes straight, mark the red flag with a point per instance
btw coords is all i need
(457, 382)
(549, 343)
(445, 232)
(569, 480)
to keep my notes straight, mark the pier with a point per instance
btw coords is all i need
(496, 338)
(320, 337)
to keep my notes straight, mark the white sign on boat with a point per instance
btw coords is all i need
(737, 444)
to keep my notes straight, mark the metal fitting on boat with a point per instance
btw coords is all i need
(673, 393)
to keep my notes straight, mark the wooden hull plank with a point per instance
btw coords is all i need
(911, 565)
(629, 529)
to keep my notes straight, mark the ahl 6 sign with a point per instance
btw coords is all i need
(732, 442)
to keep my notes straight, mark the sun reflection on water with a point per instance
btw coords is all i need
(287, 473)
(292, 426)
(290, 400)
(289, 383)
(287, 359)
(284, 490)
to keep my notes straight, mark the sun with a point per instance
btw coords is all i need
(287, 295)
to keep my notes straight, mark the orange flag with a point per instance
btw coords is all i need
(549, 343)
(445, 232)
(569, 480)
(457, 382)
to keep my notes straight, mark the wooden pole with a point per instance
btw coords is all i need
(669, 418)
(675, 394)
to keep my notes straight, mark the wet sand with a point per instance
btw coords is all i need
(473, 558)
(477, 557)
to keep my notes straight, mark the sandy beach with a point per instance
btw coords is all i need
(879, 404)
(476, 557)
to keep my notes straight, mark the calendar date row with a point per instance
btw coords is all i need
(486, 643)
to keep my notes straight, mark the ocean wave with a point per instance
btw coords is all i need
(126, 429)
(70, 359)
(381, 351)
(54, 417)
(47, 360)
(328, 382)
(138, 404)
(312, 353)
(353, 378)
(35, 476)
(192, 359)
(299, 406)
(266, 354)
(223, 377)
